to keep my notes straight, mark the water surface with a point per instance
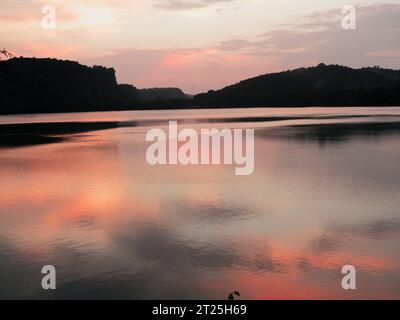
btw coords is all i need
(81, 196)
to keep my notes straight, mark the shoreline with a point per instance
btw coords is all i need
(192, 108)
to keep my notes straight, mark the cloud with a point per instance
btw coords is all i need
(314, 38)
(17, 11)
(320, 37)
(186, 4)
(191, 69)
(385, 53)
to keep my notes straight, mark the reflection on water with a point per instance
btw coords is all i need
(82, 198)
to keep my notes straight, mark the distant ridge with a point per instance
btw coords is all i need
(323, 85)
(31, 85)
(159, 94)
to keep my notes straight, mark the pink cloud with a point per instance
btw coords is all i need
(45, 50)
(193, 70)
(319, 38)
(316, 38)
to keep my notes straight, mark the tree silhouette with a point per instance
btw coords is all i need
(232, 295)
(6, 53)
(323, 85)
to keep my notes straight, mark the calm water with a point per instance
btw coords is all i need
(324, 193)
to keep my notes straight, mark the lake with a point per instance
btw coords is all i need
(80, 195)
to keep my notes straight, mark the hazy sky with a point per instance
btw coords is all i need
(203, 44)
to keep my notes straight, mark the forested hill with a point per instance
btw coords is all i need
(30, 85)
(323, 85)
(159, 94)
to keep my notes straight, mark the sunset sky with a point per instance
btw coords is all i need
(199, 45)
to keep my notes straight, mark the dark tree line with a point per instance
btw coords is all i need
(30, 85)
(323, 85)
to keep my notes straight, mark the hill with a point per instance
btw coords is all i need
(323, 85)
(160, 94)
(30, 85)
